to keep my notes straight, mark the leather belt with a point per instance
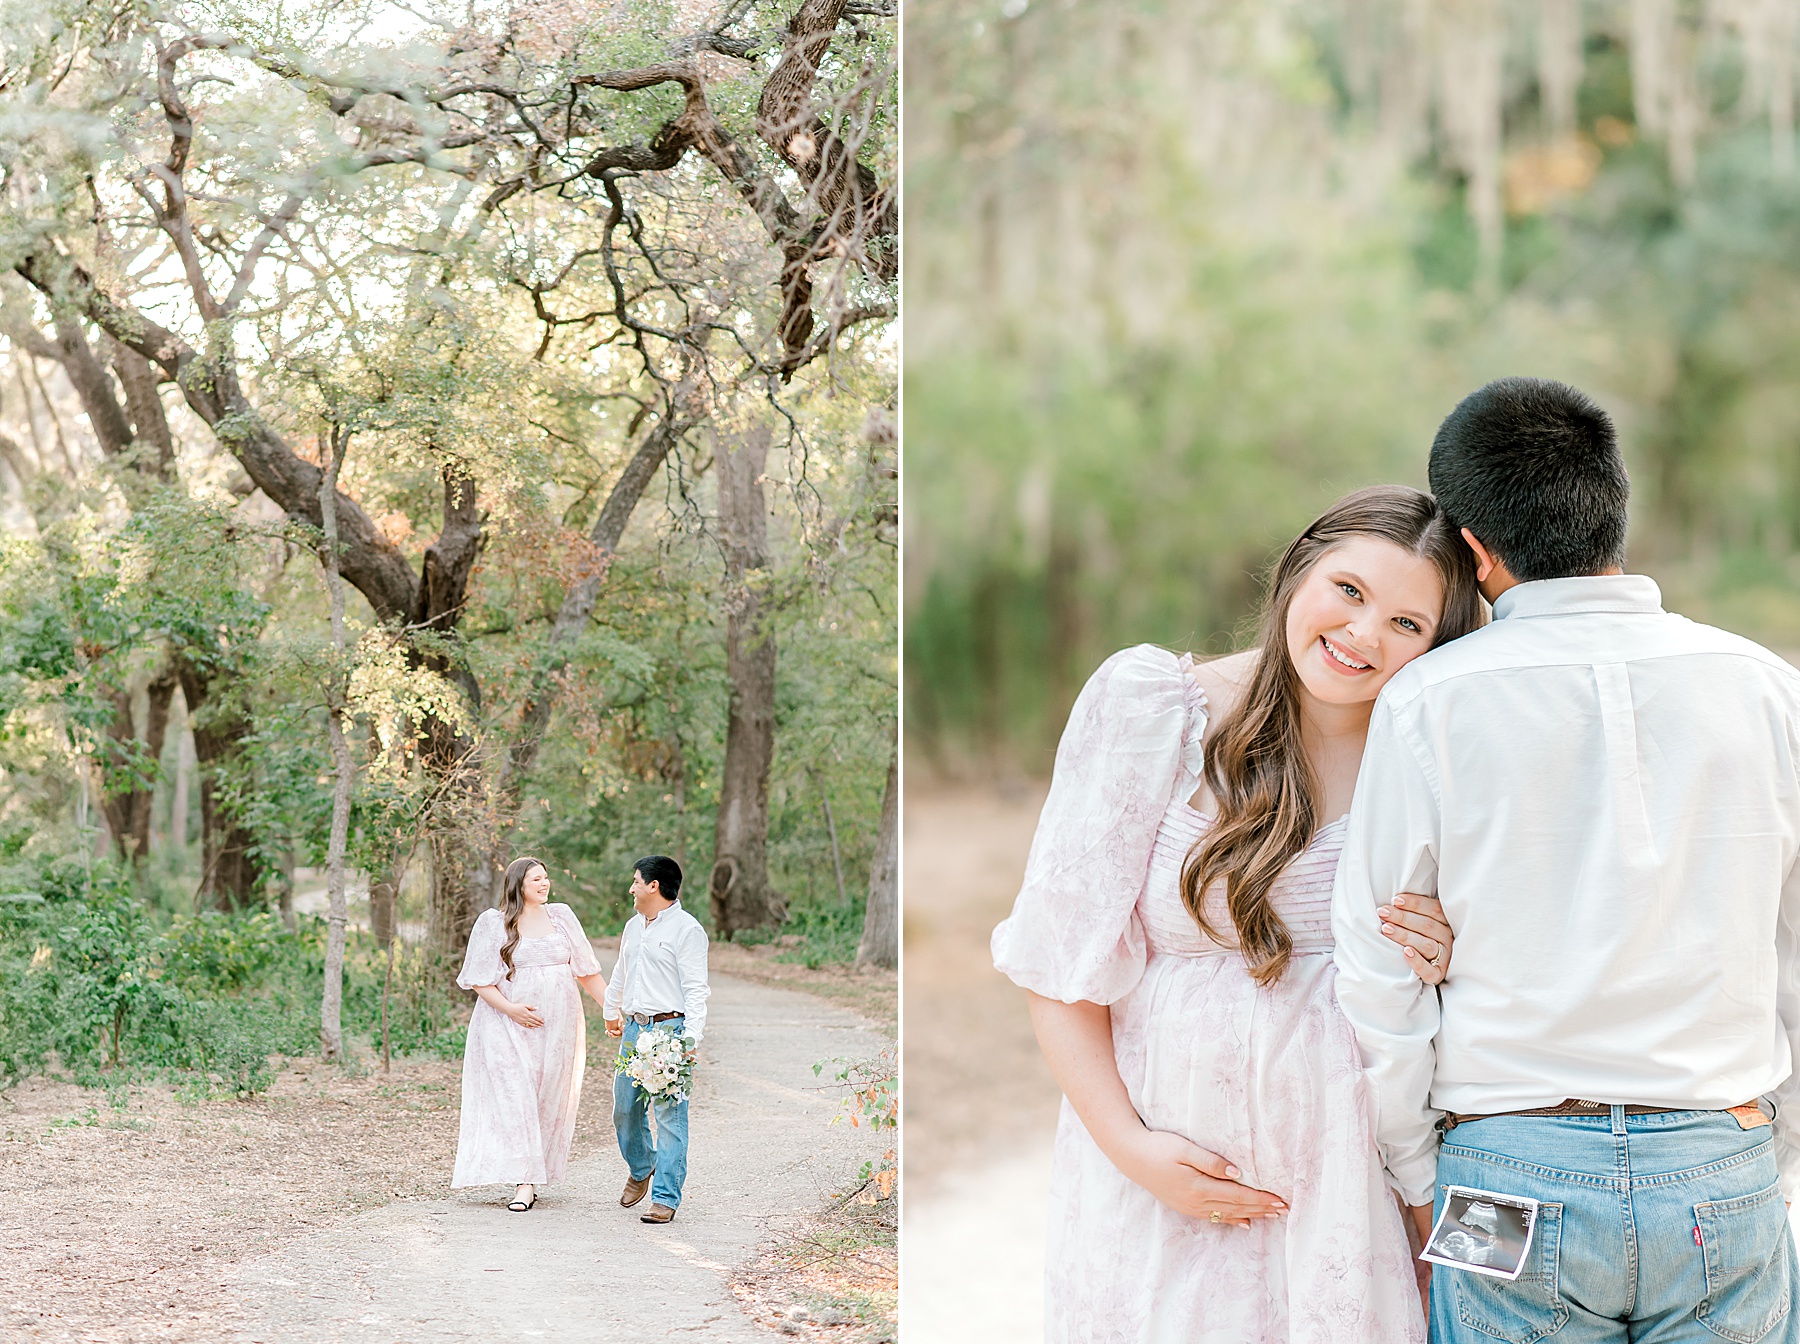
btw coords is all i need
(647, 1019)
(1577, 1106)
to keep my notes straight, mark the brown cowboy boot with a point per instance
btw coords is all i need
(657, 1213)
(634, 1190)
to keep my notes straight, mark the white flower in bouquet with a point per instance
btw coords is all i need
(659, 1064)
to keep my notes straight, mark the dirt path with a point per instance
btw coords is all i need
(980, 1105)
(144, 1216)
(578, 1267)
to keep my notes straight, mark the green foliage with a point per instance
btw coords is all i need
(89, 989)
(100, 987)
(447, 333)
(220, 954)
(871, 1100)
(1122, 400)
(829, 934)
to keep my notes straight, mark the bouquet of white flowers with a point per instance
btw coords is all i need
(659, 1063)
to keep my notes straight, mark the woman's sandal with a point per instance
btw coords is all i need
(522, 1206)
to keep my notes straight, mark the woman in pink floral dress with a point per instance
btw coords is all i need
(528, 963)
(1216, 1176)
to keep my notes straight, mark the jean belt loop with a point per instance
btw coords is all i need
(1618, 1120)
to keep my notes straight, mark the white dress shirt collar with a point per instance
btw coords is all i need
(1581, 595)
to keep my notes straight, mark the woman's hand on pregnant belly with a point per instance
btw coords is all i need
(525, 1015)
(1197, 1183)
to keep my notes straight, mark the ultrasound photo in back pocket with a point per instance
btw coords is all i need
(1483, 1232)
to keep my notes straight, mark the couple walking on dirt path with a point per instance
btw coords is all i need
(528, 963)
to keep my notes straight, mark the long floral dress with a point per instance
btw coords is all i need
(1269, 1077)
(521, 1085)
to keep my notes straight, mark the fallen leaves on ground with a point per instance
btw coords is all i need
(118, 1210)
(831, 1276)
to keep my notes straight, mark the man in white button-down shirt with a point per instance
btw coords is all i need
(659, 980)
(1606, 799)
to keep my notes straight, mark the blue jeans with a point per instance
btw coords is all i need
(667, 1157)
(1665, 1229)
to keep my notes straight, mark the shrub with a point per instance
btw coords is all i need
(96, 982)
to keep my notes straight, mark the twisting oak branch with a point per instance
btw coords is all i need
(857, 209)
(212, 389)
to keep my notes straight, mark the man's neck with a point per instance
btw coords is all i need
(651, 918)
(1500, 580)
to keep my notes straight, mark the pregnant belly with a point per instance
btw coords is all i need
(542, 986)
(1257, 1073)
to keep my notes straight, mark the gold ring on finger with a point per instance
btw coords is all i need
(1216, 1215)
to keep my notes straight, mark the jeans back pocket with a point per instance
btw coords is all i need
(1749, 1284)
(1529, 1307)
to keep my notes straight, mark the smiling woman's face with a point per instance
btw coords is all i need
(536, 886)
(1363, 612)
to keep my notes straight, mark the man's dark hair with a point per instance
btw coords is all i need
(663, 871)
(1532, 467)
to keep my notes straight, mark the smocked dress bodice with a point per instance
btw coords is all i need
(552, 949)
(1301, 895)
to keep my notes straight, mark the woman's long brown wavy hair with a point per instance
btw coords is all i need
(1266, 796)
(512, 903)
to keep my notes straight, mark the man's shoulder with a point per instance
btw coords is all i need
(1704, 638)
(687, 921)
(1511, 646)
(1474, 652)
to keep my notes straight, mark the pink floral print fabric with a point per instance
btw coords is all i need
(521, 1086)
(1270, 1078)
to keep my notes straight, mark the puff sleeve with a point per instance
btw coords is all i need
(482, 964)
(1132, 740)
(583, 962)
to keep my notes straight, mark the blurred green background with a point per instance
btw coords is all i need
(1180, 274)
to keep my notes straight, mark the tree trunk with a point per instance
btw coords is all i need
(880, 945)
(741, 897)
(149, 421)
(184, 773)
(128, 810)
(230, 877)
(337, 685)
(384, 899)
(284, 886)
(837, 855)
(459, 880)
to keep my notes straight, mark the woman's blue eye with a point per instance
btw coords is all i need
(1410, 625)
(1350, 589)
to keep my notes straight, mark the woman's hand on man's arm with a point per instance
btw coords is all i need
(1416, 923)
